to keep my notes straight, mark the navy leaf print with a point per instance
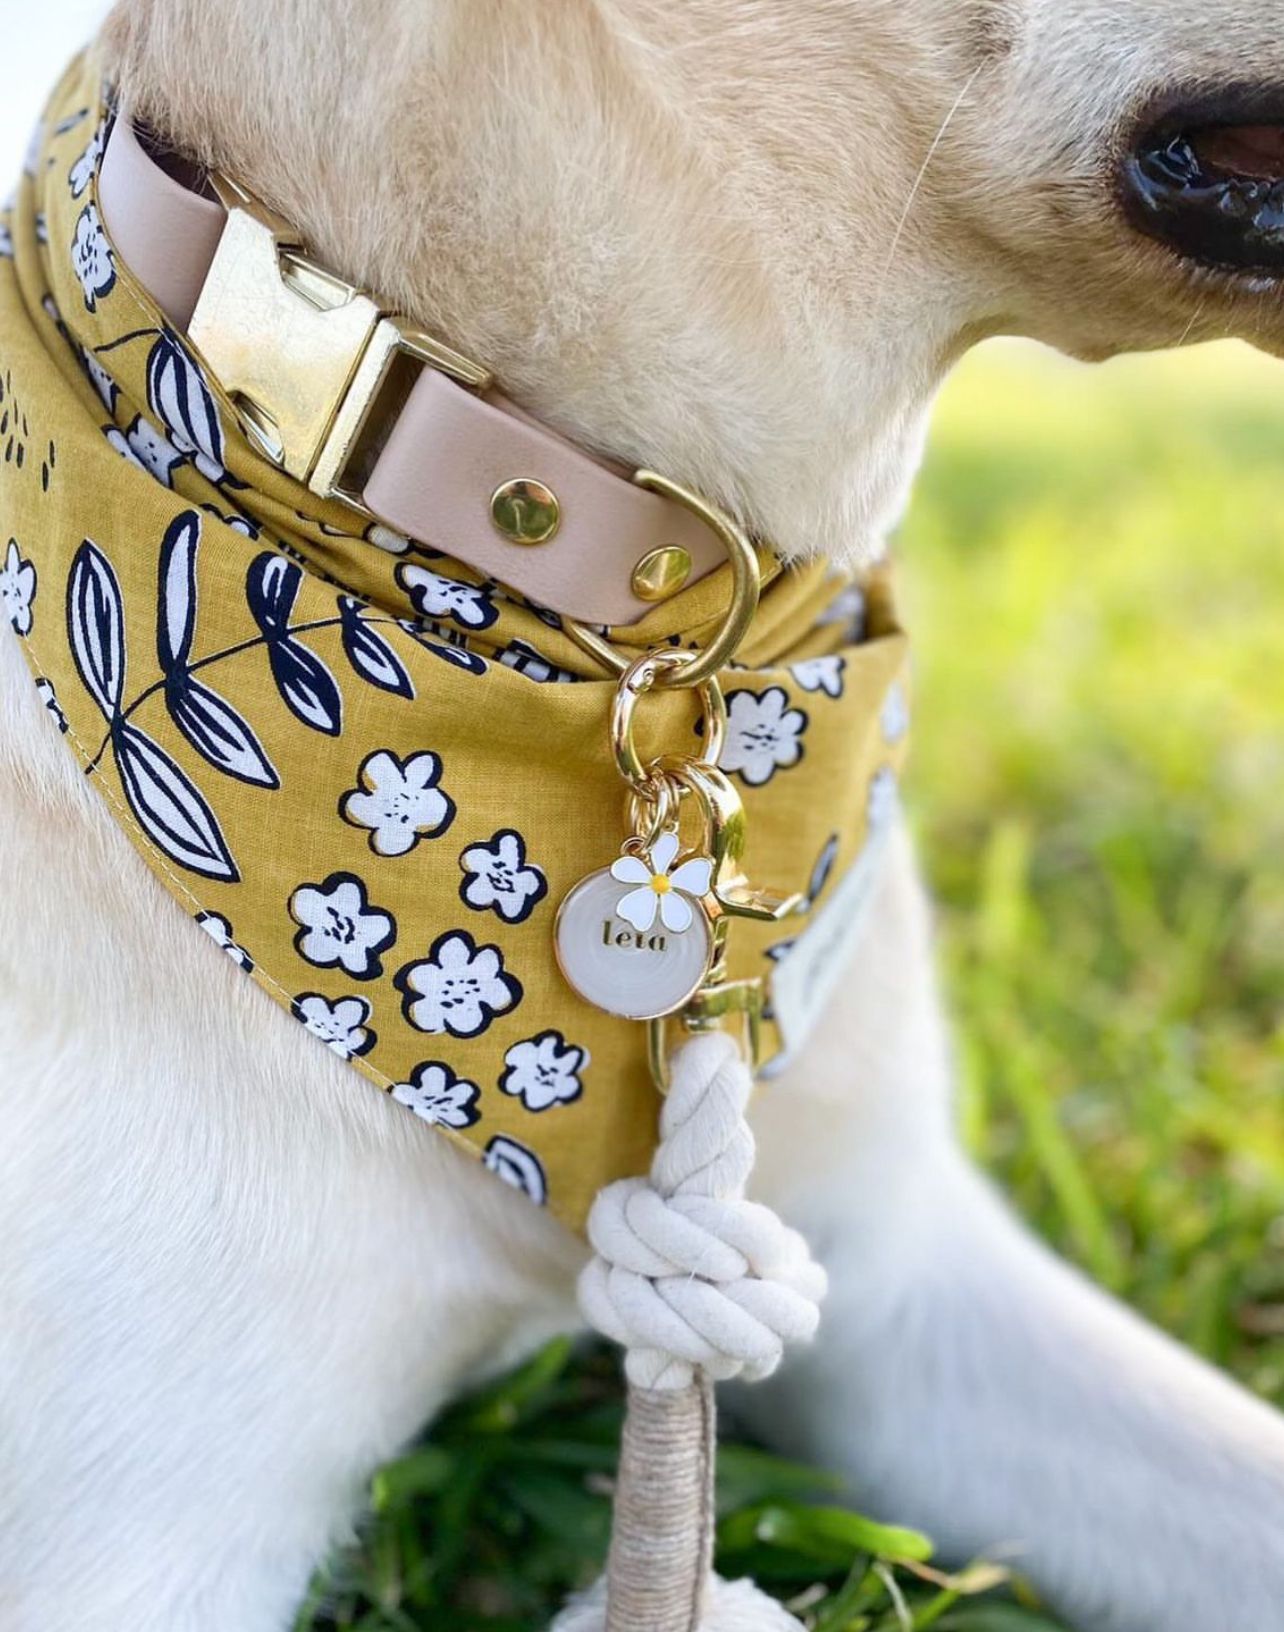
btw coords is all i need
(370, 654)
(307, 687)
(458, 656)
(212, 726)
(169, 807)
(176, 613)
(516, 1164)
(96, 626)
(179, 396)
(820, 873)
(218, 733)
(272, 587)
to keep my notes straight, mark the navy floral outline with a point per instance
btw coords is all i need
(373, 949)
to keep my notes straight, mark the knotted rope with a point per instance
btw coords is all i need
(699, 1285)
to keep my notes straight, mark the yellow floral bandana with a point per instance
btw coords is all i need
(367, 774)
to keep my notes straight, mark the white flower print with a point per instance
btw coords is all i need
(658, 889)
(100, 379)
(35, 146)
(822, 871)
(119, 441)
(92, 258)
(386, 539)
(511, 1161)
(399, 801)
(17, 588)
(42, 227)
(524, 659)
(49, 697)
(498, 878)
(544, 1071)
(435, 596)
(452, 648)
(337, 925)
(545, 614)
(6, 242)
(144, 446)
(459, 988)
(86, 166)
(884, 800)
(340, 1025)
(894, 717)
(820, 674)
(220, 932)
(441, 1098)
(849, 607)
(763, 735)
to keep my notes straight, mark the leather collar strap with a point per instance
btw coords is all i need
(448, 449)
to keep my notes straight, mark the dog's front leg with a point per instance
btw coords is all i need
(233, 1277)
(968, 1382)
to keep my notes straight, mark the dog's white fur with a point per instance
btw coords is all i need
(703, 235)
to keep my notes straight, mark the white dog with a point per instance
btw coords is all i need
(740, 241)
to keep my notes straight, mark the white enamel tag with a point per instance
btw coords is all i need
(634, 939)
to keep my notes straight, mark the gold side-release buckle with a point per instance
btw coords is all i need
(312, 363)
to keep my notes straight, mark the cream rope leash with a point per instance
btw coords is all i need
(696, 1283)
(688, 1275)
(699, 1285)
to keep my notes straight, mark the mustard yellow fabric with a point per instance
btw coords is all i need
(370, 776)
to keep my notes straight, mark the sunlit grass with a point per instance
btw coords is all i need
(1096, 572)
(1094, 568)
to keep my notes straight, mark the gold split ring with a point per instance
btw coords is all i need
(645, 675)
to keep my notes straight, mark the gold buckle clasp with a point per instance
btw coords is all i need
(306, 357)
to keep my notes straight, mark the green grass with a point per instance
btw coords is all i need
(1095, 577)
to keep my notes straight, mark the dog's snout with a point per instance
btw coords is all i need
(1205, 176)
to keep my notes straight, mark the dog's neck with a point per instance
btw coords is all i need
(634, 254)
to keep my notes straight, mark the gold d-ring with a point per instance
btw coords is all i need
(694, 669)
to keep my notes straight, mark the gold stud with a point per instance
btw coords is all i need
(662, 573)
(525, 511)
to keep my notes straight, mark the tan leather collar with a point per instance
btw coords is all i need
(448, 450)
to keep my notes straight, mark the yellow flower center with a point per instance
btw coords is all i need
(660, 884)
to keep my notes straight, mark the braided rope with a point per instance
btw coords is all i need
(698, 1285)
(687, 1273)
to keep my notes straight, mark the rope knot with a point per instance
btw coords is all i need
(687, 1274)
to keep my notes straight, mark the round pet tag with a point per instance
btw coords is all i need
(638, 974)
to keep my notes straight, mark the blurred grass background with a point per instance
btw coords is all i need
(1094, 572)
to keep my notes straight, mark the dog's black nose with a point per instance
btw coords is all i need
(1206, 178)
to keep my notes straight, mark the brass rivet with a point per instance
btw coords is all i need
(525, 511)
(662, 573)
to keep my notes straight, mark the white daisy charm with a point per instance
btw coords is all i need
(647, 952)
(660, 891)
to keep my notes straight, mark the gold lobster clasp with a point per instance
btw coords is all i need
(726, 829)
(731, 896)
